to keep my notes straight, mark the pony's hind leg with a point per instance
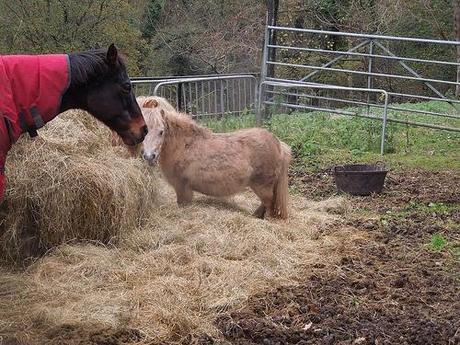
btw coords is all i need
(265, 194)
(184, 194)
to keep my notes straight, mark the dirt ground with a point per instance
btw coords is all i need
(393, 289)
(394, 286)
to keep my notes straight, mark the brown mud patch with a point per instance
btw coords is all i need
(400, 187)
(378, 296)
(393, 289)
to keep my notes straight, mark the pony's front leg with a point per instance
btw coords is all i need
(184, 194)
(260, 212)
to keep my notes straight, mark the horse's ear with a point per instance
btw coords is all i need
(112, 55)
(150, 103)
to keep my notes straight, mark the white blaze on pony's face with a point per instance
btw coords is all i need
(154, 139)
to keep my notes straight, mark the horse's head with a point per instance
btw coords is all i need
(155, 118)
(100, 85)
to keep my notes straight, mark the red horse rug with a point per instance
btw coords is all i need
(31, 90)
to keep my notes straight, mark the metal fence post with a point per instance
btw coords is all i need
(384, 124)
(263, 76)
(179, 97)
(369, 77)
(222, 103)
(258, 107)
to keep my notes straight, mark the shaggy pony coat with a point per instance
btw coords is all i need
(193, 158)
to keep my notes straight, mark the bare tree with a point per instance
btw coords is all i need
(208, 37)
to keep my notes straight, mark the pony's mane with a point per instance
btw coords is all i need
(89, 65)
(183, 123)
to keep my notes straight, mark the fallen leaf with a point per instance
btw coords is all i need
(307, 326)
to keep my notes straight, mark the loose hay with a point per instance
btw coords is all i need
(169, 280)
(70, 184)
(166, 280)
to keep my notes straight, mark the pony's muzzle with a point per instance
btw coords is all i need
(150, 157)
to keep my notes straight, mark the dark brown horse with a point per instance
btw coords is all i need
(35, 89)
(101, 86)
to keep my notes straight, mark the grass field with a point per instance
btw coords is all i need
(320, 140)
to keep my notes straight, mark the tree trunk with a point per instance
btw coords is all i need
(457, 37)
(268, 69)
(272, 19)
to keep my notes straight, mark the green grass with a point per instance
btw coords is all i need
(320, 140)
(435, 209)
(438, 242)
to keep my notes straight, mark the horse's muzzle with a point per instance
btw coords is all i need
(131, 139)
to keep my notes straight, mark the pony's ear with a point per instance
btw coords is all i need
(112, 55)
(150, 103)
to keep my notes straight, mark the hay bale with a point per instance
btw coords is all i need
(70, 184)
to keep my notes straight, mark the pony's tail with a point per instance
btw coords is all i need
(280, 193)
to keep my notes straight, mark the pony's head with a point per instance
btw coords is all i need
(101, 86)
(151, 147)
(155, 118)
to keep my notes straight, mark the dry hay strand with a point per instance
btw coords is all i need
(70, 184)
(170, 280)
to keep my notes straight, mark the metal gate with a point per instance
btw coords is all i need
(201, 96)
(362, 76)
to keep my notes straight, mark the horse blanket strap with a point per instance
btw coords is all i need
(37, 122)
(25, 127)
(9, 129)
(31, 90)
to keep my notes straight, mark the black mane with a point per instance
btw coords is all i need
(86, 67)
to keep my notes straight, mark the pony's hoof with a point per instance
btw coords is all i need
(259, 214)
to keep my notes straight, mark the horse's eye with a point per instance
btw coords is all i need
(161, 132)
(126, 87)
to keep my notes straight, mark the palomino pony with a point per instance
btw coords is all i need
(36, 88)
(192, 158)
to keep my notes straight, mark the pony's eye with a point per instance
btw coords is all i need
(161, 132)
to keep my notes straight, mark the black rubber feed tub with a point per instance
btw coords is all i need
(360, 179)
